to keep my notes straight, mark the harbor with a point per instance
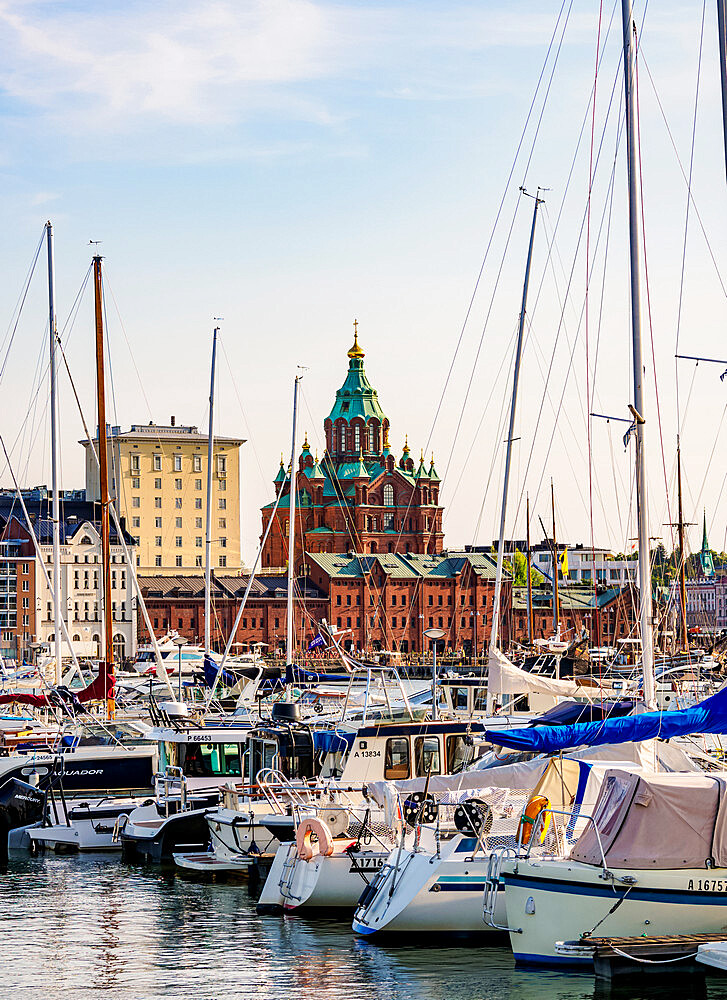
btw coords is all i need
(435, 705)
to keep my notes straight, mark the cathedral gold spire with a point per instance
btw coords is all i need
(355, 351)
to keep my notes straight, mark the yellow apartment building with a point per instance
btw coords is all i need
(159, 481)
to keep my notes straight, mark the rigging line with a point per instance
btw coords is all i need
(686, 212)
(17, 312)
(482, 338)
(581, 133)
(506, 188)
(684, 176)
(547, 92)
(589, 419)
(243, 412)
(646, 281)
(580, 236)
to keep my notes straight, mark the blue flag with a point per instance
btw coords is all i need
(316, 643)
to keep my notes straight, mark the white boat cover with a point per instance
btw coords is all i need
(657, 821)
(503, 677)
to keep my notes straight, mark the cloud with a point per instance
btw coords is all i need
(179, 62)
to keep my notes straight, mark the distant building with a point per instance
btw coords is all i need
(358, 498)
(158, 476)
(374, 602)
(608, 616)
(31, 620)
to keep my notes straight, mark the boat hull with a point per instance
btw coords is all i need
(550, 902)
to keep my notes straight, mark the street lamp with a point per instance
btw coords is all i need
(179, 642)
(435, 634)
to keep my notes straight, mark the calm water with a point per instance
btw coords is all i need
(93, 927)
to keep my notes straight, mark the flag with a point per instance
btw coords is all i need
(316, 643)
(563, 561)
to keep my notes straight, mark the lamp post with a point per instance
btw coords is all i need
(421, 624)
(179, 642)
(434, 634)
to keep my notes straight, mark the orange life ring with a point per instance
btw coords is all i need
(307, 827)
(529, 818)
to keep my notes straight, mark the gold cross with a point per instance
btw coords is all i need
(355, 328)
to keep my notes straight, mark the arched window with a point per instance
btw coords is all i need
(342, 434)
(119, 647)
(76, 638)
(388, 495)
(371, 446)
(356, 438)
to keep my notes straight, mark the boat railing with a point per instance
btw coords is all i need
(563, 836)
(170, 783)
(280, 793)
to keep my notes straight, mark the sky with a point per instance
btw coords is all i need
(291, 165)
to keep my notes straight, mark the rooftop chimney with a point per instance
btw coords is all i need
(173, 421)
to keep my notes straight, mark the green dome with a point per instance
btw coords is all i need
(356, 397)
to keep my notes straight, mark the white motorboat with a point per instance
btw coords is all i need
(653, 860)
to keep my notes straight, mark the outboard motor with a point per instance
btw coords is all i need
(21, 804)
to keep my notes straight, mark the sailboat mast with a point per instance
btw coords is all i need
(722, 36)
(56, 516)
(682, 559)
(208, 528)
(104, 492)
(531, 624)
(289, 628)
(556, 596)
(645, 614)
(510, 434)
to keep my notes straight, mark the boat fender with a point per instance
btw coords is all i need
(308, 828)
(529, 818)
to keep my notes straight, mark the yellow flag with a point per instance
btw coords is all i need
(564, 562)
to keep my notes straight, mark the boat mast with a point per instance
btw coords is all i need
(108, 670)
(289, 628)
(208, 528)
(722, 38)
(53, 333)
(556, 596)
(508, 453)
(638, 413)
(682, 560)
(531, 624)
(511, 431)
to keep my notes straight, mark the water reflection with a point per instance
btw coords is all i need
(110, 930)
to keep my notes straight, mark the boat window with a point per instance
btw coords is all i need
(480, 703)
(426, 755)
(205, 760)
(459, 699)
(396, 759)
(608, 810)
(264, 754)
(459, 754)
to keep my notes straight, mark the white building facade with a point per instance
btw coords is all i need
(81, 592)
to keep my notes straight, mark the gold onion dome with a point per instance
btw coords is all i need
(355, 351)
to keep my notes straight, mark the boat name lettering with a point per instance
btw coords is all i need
(707, 884)
(77, 774)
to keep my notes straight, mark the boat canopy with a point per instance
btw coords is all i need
(327, 741)
(657, 821)
(568, 712)
(709, 716)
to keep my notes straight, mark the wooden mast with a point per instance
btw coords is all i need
(556, 599)
(108, 651)
(531, 624)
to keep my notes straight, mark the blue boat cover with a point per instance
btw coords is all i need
(709, 716)
(576, 711)
(326, 741)
(210, 673)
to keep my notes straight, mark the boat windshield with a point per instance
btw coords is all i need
(206, 760)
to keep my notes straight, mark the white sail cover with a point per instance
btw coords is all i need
(503, 677)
